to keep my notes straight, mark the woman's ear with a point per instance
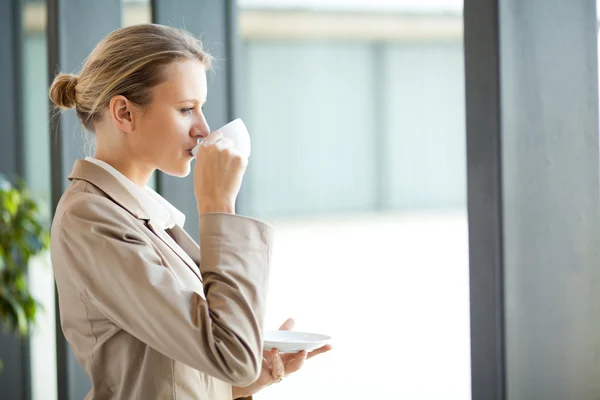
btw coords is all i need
(122, 113)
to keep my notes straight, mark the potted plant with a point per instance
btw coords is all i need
(22, 236)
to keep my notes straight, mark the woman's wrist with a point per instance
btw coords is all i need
(209, 206)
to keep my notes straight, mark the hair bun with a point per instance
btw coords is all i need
(62, 91)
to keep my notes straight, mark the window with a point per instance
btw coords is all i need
(356, 113)
(37, 174)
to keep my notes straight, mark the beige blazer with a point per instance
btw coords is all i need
(148, 313)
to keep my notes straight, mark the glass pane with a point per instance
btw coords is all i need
(37, 174)
(356, 113)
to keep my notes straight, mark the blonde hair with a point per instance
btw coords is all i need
(128, 62)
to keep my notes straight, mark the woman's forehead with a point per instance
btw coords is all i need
(183, 80)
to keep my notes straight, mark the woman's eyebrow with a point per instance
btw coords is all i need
(195, 101)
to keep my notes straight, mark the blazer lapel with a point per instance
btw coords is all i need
(105, 181)
(177, 248)
(188, 244)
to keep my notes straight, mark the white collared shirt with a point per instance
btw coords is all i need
(163, 214)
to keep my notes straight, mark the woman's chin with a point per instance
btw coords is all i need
(180, 170)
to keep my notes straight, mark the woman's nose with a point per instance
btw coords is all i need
(200, 129)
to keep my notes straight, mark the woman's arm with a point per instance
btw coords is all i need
(115, 267)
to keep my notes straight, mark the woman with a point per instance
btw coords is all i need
(148, 313)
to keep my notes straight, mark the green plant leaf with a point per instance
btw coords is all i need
(21, 326)
(22, 235)
(10, 316)
(12, 202)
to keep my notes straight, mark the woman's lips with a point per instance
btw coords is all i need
(189, 150)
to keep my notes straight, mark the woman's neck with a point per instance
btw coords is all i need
(134, 172)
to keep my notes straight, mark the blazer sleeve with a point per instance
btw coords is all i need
(219, 332)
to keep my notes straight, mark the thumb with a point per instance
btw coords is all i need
(288, 325)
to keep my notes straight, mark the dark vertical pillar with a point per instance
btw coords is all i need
(215, 23)
(15, 382)
(484, 174)
(533, 198)
(74, 29)
(10, 88)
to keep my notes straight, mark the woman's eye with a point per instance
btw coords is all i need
(186, 111)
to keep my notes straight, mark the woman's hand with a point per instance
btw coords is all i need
(218, 174)
(276, 366)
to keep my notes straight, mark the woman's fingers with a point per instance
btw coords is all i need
(288, 357)
(291, 358)
(218, 174)
(267, 356)
(294, 363)
(288, 363)
(264, 378)
(320, 350)
(277, 366)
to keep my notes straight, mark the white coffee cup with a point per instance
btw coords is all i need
(238, 133)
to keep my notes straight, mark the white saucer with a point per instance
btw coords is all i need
(293, 342)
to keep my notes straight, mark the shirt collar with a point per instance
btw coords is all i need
(157, 207)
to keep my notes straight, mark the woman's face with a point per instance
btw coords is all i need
(170, 126)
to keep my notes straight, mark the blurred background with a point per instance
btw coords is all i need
(356, 111)
(357, 114)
